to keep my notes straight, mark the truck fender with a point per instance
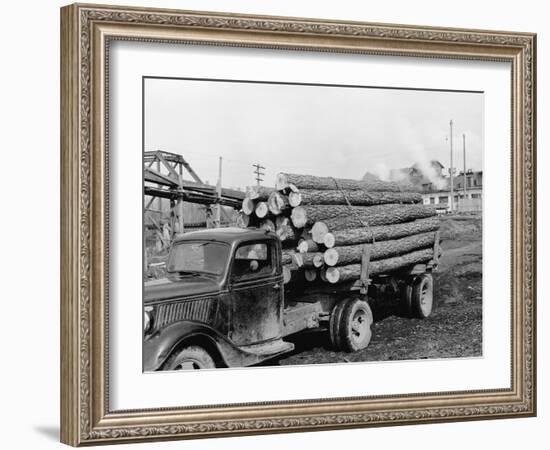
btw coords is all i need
(160, 346)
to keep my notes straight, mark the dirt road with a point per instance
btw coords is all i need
(453, 330)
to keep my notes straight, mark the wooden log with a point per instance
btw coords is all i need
(283, 180)
(355, 197)
(291, 274)
(277, 203)
(362, 235)
(345, 217)
(318, 232)
(267, 224)
(242, 220)
(247, 206)
(261, 210)
(310, 275)
(307, 245)
(351, 254)
(353, 272)
(314, 260)
(288, 257)
(285, 230)
(294, 199)
(259, 193)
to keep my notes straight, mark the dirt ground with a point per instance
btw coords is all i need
(453, 330)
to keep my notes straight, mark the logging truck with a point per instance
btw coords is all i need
(224, 302)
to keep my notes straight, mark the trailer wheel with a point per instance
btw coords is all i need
(190, 358)
(422, 296)
(350, 325)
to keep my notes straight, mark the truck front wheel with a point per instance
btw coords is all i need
(350, 325)
(190, 358)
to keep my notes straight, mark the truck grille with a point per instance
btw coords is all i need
(198, 310)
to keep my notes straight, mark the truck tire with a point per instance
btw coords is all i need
(422, 296)
(190, 358)
(350, 325)
(406, 296)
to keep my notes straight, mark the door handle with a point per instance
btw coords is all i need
(277, 286)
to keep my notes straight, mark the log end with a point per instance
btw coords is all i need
(248, 206)
(261, 210)
(329, 240)
(330, 257)
(287, 274)
(318, 232)
(294, 199)
(318, 260)
(298, 217)
(298, 259)
(281, 182)
(302, 246)
(310, 274)
(332, 274)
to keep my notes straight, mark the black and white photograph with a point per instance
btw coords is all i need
(296, 224)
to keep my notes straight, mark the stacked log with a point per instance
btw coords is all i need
(327, 225)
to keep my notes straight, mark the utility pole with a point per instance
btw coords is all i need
(219, 193)
(451, 170)
(464, 154)
(259, 173)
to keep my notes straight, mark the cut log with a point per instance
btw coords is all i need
(277, 203)
(298, 259)
(341, 217)
(242, 220)
(259, 192)
(307, 245)
(362, 235)
(291, 274)
(261, 210)
(267, 224)
(312, 260)
(318, 232)
(353, 271)
(351, 254)
(310, 274)
(298, 217)
(285, 230)
(248, 206)
(283, 180)
(294, 199)
(329, 240)
(356, 197)
(288, 258)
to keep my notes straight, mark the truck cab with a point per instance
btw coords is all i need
(222, 298)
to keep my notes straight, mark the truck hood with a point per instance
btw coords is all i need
(173, 288)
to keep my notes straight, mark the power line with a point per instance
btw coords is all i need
(258, 171)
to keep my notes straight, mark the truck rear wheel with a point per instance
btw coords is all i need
(422, 296)
(350, 325)
(190, 358)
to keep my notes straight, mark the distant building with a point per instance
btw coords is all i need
(465, 200)
(436, 187)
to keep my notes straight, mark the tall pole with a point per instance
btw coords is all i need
(219, 193)
(259, 173)
(452, 168)
(464, 154)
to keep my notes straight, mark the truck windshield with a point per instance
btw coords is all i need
(198, 257)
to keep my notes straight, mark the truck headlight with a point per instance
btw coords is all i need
(147, 318)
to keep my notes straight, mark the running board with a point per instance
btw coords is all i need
(268, 349)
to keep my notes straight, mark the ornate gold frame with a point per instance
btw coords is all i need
(85, 34)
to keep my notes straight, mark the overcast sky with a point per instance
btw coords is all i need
(329, 131)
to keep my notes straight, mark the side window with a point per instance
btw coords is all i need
(252, 260)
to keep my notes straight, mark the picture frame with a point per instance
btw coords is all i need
(86, 34)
